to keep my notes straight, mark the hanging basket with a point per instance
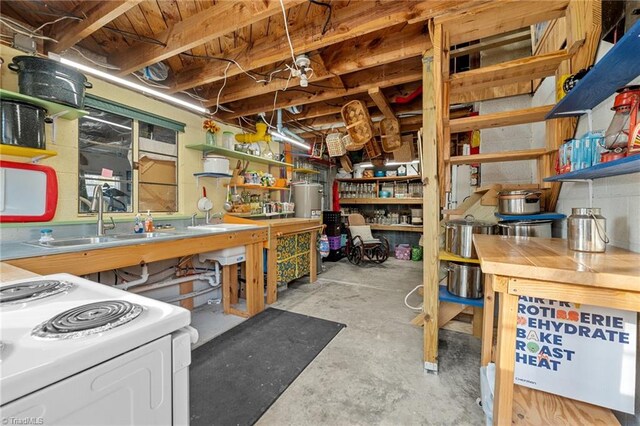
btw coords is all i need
(405, 153)
(372, 148)
(335, 144)
(349, 145)
(390, 134)
(356, 117)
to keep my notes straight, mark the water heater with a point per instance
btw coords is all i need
(308, 199)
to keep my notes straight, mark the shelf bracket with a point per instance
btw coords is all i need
(581, 112)
(36, 160)
(54, 119)
(589, 182)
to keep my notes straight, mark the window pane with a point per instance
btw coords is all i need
(157, 198)
(105, 157)
(116, 194)
(157, 168)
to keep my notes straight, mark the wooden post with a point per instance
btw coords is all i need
(272, 271)
(255, 279)
(431, 211)
(487, 321)
(505, 358)
(313, 261)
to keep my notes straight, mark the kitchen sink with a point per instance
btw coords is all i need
(222, 227)
(142, 236)
(67, 242)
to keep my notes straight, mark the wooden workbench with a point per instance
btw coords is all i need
(103, 259)
(546, 268)
(279, 228)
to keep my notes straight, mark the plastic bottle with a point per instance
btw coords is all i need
(46, 235)
(138, 226)
(148, 222)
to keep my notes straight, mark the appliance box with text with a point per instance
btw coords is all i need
(581, 352)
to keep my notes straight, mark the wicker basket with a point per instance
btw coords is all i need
(335, 144)
(372, 148)
(349, 145)
(356, 117)
(405, 153)
(390, 135)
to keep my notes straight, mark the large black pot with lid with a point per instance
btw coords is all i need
(459, 235)
(50, 80)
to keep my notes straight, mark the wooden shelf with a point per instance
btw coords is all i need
(236, 154)
(400, 228)
(518, 70)
(617, 68)
(307, 171)
(622, 166)
(66, 112)
(500, 119)
(381, 201)
(258, 187)
(21, 151)
(496, 157)
(445, 255)
(381, 179)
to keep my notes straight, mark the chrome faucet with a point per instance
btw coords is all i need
(97, 205)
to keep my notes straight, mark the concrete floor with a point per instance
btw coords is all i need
(371, 373)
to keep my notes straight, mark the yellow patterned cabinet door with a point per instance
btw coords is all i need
(293, 256)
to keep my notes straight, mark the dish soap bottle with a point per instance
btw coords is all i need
(138, 227)
(148, 222)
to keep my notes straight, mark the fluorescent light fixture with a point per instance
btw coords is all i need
(111, 123)
(121, 81)
(289, 139)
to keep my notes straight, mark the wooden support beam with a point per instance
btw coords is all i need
(354, 20)
(500, 119)
(222, 18)
(498, 157)
(431, 210)
(518, 70)
(382, 103)
(492, 43)
(448, 311)
(96, 15)
(499, 17)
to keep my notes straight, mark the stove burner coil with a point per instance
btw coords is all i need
(88, 319)
(32, 290)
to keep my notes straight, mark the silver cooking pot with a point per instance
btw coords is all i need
(465, 280)
(522, 228)
(519, 202)
(459, 235)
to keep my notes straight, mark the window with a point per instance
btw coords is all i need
(157, 168)
(105, 158)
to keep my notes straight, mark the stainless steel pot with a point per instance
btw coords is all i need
(47, 79)
(465, 280)
(586, 230)
(533, 228)
(22, 124)
(519, 202)
(459, 235)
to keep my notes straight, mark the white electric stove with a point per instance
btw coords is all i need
(73, 351)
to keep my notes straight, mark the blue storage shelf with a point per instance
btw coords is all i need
(539, 216)
(622, 166)
(445, 296)
(616, 69)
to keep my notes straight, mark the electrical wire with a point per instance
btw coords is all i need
(286, 29)
(100, 64)
(28, 33)
(224, 83)
(328, 6)
(56, 20)
(415, 308)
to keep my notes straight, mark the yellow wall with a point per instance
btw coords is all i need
(66, 145)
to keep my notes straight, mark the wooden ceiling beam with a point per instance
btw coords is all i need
(357, 19)
(499, 17)
(382, 103)
(409, 70)
(95, 16)
(492, 43)
(222, 18)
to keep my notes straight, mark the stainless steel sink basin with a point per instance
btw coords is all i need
(142, 236)
(82, 241)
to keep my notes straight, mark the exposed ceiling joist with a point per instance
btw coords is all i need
(222, 18)
(409, 70)
(357, 19)
(492, 43)
(382, 103)
(95, 16)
